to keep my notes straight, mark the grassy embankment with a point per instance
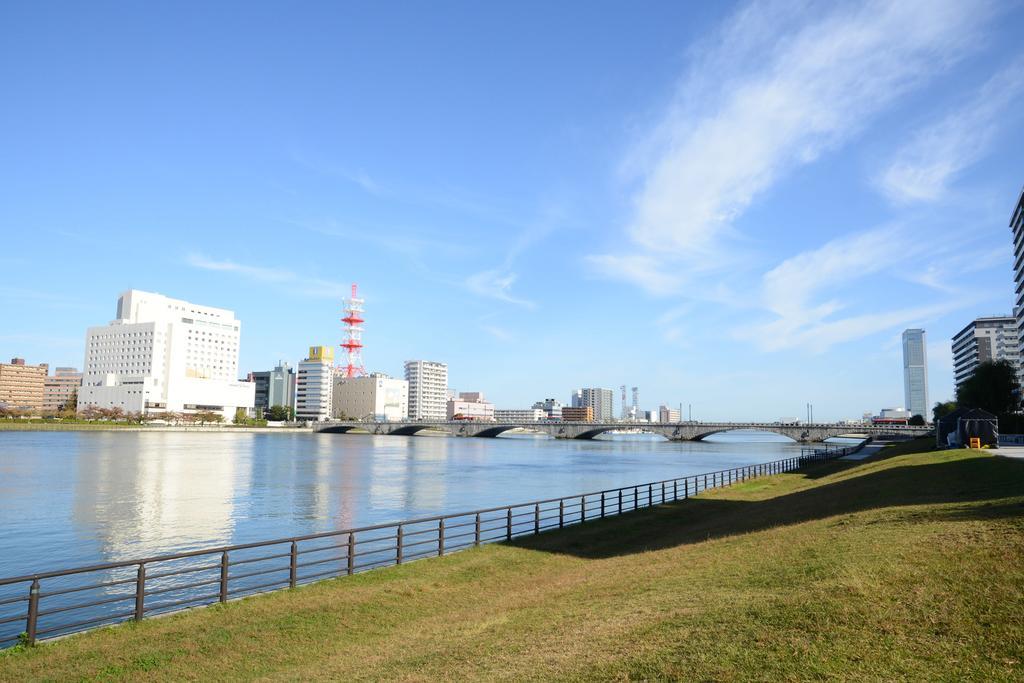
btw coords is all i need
(905, 566)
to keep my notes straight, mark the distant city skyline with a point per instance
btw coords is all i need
(734, 206)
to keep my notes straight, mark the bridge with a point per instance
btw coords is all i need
(674, 431)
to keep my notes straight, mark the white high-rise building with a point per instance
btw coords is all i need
(374, 397)
(428, 389)
(1017, 227)
(985, 339)
(915, 372)
(314, 385)
(165, 355)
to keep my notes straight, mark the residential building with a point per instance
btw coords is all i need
(915, 372)
(60, 390)
(374, 397)
(985, 339)
(522, 415)
(666, 414)
(22, 386)
(578, 414)
(165, 355)
(314, 385)
(1017, 227)
(552, 408)
(470, 405)
(428, 389)
(601, 400)
(274, 387)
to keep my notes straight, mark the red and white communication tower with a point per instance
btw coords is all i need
(353, 343)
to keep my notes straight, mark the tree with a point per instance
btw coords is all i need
(240, 416)
(941, 410)
(277, 414)
(992, 387)
(916, 421)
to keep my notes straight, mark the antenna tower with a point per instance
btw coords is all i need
(353, 343)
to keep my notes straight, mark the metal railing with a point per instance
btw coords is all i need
(49, 604)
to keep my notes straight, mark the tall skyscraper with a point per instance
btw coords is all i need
(985, 339)
(165, 355)
(314, 385)
(1017, 226)
(915, 372)
(428, 389)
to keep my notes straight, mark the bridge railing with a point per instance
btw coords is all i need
(54, 603)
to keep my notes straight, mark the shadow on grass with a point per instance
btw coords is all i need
(966, 480)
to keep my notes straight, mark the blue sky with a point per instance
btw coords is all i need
(735, 206)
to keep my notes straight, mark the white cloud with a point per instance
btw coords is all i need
(800, 293)
(638, 269)
(226, 266)
(499, 333)
(496, 284)
(307, 286)
(922, 169)
(774, 90)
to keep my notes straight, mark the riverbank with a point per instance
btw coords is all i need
(902, 566)
(55, 426)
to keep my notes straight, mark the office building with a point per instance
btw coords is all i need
(428, 389)
(165, 355)
(22, 386)
(666, 414)
(1017, 227)
(374, 397)
(522, 415)
(600, 400)
(552, 408)
(274, 387)
(60, 390)
(470, 405)
(577, 414)
(985, 339)
(915, 372)
(314, 385)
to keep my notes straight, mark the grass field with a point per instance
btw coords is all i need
(906, 566)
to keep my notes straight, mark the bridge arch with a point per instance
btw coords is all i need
(592, 433)
(791, 432)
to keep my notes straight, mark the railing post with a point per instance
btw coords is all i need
(440, 537)
(602, 504)
(476, 530)
(686, 489)
(398, 545)
(224, 576)
(650, 495)
(663, 493)
(350, 558)
(620, 501)
(293, 565)
(583, 509)
(33, 612)
(561, 513)
(636, 497)
(536, 518)
(675, 489)
(140, 592)
(705, 482)
(508, 526)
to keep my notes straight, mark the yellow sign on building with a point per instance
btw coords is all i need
(321, 353)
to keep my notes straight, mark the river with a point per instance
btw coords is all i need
(77, 498)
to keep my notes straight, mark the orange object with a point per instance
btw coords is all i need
(975, 442)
